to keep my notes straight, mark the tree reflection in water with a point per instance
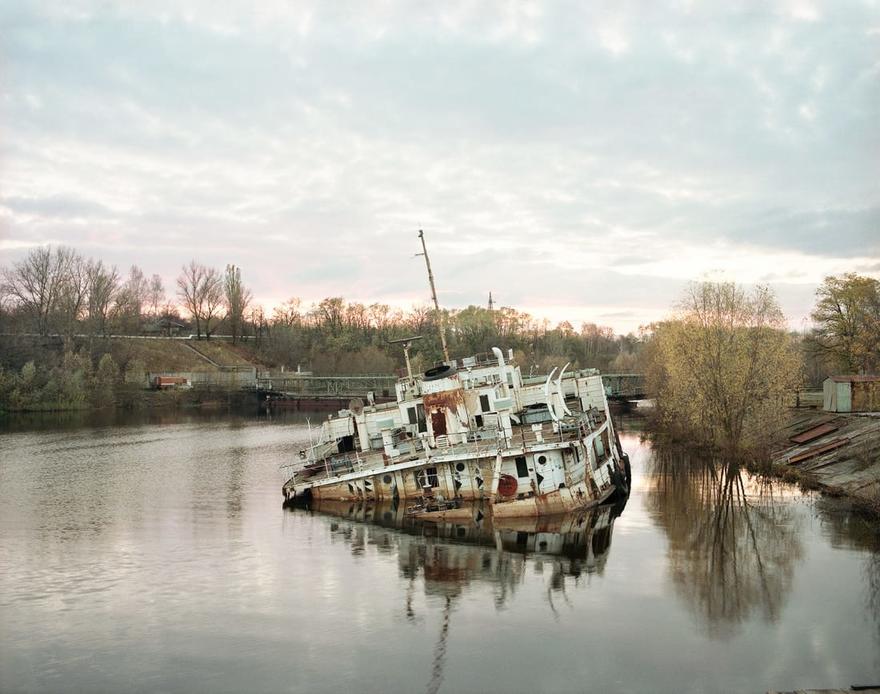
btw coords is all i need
(733, 545)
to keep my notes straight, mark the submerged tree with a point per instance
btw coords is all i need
(720, 370)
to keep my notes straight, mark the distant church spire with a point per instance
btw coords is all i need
(491, 303)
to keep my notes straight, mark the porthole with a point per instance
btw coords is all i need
(459, 467)
(387, 479)
(542, 459)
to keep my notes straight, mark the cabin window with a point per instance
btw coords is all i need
(345, 444)
(542, 459)
(522, 470)
(478, 420)
(484, 403)
(416, 415)
(459, 467)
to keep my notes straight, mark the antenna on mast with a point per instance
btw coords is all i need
(407, 343)
(434, 296)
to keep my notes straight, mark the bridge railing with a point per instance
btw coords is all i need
(624, 385)
(318, 386)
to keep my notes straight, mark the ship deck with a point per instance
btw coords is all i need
(481, 443)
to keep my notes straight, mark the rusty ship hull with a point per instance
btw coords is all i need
(472, 431)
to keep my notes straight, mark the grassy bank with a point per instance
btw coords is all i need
(50, 374)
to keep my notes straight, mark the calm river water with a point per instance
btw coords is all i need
(156, 556)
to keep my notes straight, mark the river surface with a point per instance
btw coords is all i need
(155, 555)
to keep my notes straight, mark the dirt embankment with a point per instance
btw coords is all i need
(838, 453)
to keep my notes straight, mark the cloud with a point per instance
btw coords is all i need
(571, 158)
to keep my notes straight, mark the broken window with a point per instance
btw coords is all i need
(522, 470)
(427, 478)
(484, 403)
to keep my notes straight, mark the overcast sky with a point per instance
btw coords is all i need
(580, 160)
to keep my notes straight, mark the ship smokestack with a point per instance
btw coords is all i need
(502, 371)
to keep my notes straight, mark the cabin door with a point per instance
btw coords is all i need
(548, 471)
(438, 422)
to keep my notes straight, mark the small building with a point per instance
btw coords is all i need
(164, 327)
(167, 382)
(851, 394)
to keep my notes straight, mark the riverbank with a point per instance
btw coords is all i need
(836, 453)
(53, 374)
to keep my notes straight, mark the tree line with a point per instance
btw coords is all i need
(59, 291)
(724, 365)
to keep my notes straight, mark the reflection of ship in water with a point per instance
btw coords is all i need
(450, 553)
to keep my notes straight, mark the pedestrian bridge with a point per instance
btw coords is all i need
(624, 386)
(293, 385)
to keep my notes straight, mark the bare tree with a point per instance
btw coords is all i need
(103, 285)
(132, 299)
(238, 297)
(288, 314)
(261, 326)
(156, 296)
(201, 290)
(73, 294)
(35, 284)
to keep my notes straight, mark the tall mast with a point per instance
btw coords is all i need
(434, 296)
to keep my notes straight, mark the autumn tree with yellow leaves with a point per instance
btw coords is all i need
(721, 367)
(847, 318)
